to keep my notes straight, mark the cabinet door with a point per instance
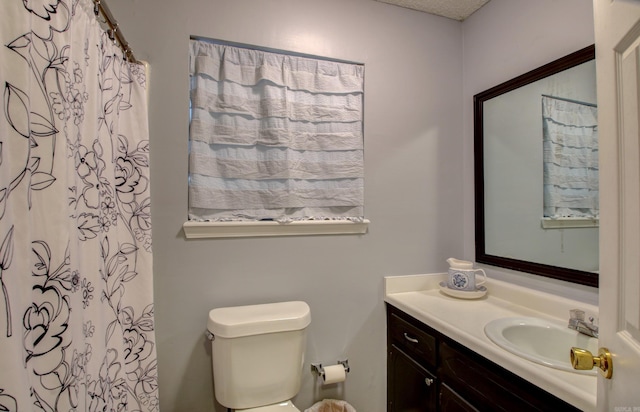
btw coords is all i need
(410, 387)
(490, 387)
(452, 402)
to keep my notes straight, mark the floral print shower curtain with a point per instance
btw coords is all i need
(76, 304)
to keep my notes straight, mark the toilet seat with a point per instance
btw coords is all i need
(287, 406)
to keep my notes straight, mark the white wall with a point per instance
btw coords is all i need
(502, 40)
(413, 185)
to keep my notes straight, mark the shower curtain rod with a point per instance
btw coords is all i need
(100, 7)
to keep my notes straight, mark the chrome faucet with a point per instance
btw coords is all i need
(577, 322)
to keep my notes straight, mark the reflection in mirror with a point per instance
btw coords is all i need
(536, 171)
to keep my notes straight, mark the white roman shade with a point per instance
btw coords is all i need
(274, 136)
(570, 140)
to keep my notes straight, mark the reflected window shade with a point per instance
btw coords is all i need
(571, 176)
(274, 136)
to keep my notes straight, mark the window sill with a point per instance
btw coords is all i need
(204, 230)
(571, 222)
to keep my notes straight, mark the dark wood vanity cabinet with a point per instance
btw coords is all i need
(427, 371)
(452, 402)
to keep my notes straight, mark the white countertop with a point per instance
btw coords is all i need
(463, 321)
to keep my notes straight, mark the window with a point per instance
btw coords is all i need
(570, 140)
(274, 138)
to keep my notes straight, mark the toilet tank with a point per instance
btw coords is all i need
(258, 352)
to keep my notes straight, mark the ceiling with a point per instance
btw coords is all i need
(453, 9)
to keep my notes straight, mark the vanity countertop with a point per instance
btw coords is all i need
(464, 320)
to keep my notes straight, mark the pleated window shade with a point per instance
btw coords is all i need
(571, 172)
(274, 136)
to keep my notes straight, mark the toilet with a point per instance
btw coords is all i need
(258, 355)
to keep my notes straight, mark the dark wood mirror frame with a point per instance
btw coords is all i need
(556, 272)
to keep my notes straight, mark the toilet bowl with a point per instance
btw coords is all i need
(258, 355)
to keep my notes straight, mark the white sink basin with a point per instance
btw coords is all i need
(540, 341)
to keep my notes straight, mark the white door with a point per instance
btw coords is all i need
(617, 29)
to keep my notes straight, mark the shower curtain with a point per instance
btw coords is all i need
(76, 304)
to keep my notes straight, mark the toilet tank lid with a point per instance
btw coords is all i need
(237, 321)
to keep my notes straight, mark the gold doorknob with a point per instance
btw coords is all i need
(584, 360)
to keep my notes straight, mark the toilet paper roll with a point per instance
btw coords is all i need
(334, 374)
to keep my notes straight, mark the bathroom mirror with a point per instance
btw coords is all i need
(514, 134)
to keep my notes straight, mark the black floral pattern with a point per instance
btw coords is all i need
(75, 220)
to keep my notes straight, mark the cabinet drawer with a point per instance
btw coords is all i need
(412, 339)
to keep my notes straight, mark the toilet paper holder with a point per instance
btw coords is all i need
(318, 369)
